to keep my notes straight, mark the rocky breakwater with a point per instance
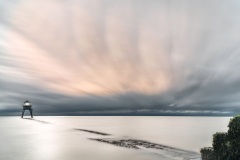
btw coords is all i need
(130, 143)
(152, 147)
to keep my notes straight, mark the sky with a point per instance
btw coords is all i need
(120, 57)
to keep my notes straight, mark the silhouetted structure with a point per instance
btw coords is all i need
(27, 106)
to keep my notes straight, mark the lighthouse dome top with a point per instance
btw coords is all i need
(27, 103)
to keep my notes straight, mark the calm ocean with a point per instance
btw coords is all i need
(56, 138)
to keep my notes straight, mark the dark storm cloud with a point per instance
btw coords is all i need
(49, 103)
(120, 57)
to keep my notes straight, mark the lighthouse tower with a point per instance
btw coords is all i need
(27, 106)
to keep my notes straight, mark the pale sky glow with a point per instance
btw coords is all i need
(81, 60)
(117, 56)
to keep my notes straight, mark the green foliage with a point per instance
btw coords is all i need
(219, 141)
(234, 127)
(208, 153)
(220, 144)
(226, 146)
(234, 137)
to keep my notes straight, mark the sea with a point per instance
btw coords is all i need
(71, 138)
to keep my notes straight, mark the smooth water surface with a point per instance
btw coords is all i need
(56, 137)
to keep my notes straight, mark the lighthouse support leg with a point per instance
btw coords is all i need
(31, 113)
(23, 113)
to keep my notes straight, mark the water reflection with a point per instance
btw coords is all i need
(26, 139)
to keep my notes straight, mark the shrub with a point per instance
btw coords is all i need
(226, 146)
(234, 137)
(208, 153)
(234, 127)
(220, 144)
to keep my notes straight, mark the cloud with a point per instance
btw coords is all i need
(111, 57)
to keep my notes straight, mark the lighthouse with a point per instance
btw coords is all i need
(27, 106)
